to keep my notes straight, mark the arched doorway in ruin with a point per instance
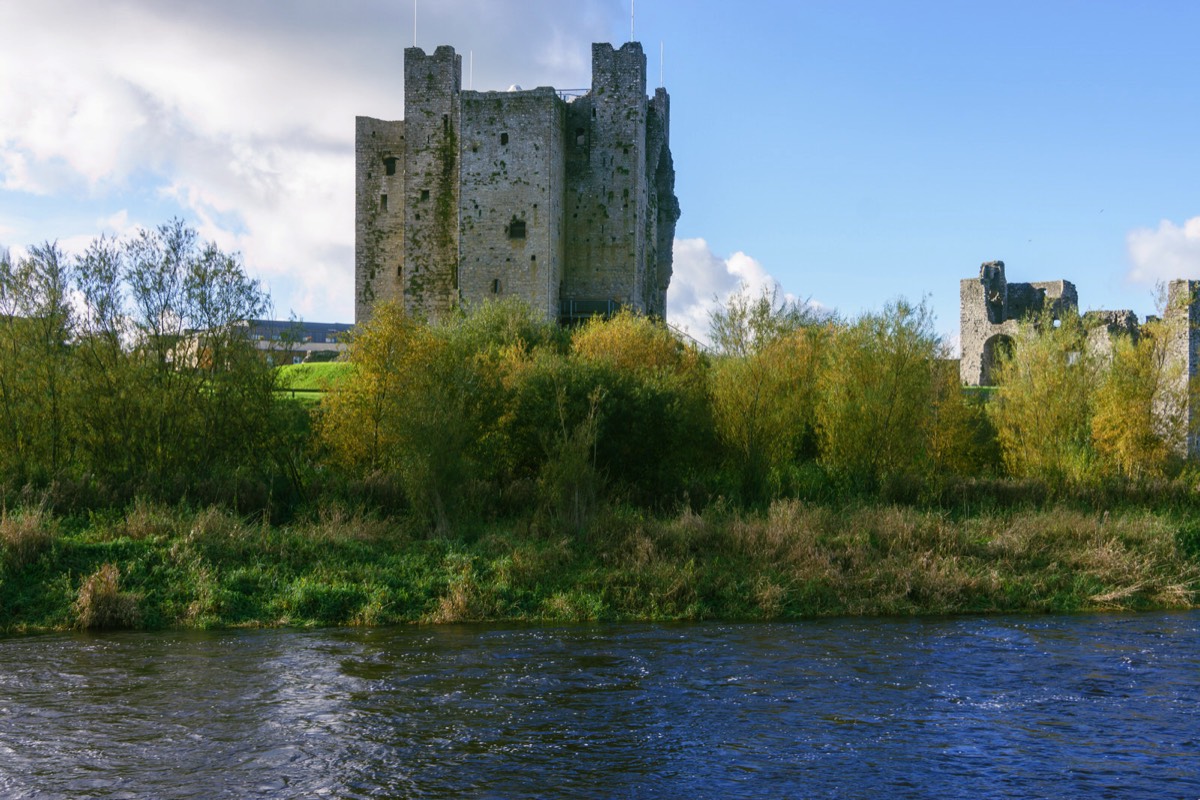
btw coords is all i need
(995, 348)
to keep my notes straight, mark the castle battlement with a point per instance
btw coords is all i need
(482, 195)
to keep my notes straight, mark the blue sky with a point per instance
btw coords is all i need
(852, 151)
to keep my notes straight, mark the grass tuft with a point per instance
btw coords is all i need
(26, 534)
(102, 605)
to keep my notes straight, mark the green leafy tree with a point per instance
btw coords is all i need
(646, 393)
(35, 364)
(762, 386)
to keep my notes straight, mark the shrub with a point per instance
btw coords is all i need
(101, 603)
(418, 405)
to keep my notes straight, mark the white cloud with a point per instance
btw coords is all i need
(243, 112)
(1171, 251)
(702, 281)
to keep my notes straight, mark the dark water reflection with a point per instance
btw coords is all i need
(1094, 706)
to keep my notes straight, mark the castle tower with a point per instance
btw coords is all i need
(511, 216)
(991, 310)
(432, 111)
(607, 190)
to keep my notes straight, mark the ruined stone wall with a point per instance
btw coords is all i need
(1105, 328)
(663, 212)
(378, 213)
(606, 198)
(513, 163)
(432, 118)
(1181, 319)
(990, 309)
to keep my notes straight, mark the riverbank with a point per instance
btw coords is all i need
(158, 567)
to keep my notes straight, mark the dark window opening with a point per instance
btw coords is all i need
(533, 258)
(389, 165)
(516, 229)
(383, 202)
(625, 150)
(424, 194)
(504, 138)
(399, 272)
(496, 286)
(418, 216)
(445, 123)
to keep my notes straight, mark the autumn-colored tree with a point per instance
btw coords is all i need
(420, 405)
(875, 396)
(647, 391)
(1139, 423)
(961, 439)
(1044, 402)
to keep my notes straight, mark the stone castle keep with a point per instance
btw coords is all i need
(566, 203)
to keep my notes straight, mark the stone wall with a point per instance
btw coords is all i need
(378, 213)
(991, 309)
(1181, 319)
(663, 211)
(512, 188)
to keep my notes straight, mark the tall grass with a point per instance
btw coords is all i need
(174, 567)
(102, 605)
(26, 534)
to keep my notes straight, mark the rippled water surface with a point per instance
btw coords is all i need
(1093, 706)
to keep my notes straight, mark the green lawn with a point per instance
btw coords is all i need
(312, 377)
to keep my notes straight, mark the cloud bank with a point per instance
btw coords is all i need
(1165, 253)
(242, 113)
(702, 281)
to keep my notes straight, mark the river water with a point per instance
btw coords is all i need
(1057, 706)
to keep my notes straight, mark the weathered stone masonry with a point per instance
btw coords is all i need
(991, 309)
(569, 206)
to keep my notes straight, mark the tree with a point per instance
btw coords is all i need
(130, 365)
(1140, 415)
(746, 323)
(875, 395)
(645, 393)
(1044, 401)
(417, 407)
(764, 407)
(35, 363)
